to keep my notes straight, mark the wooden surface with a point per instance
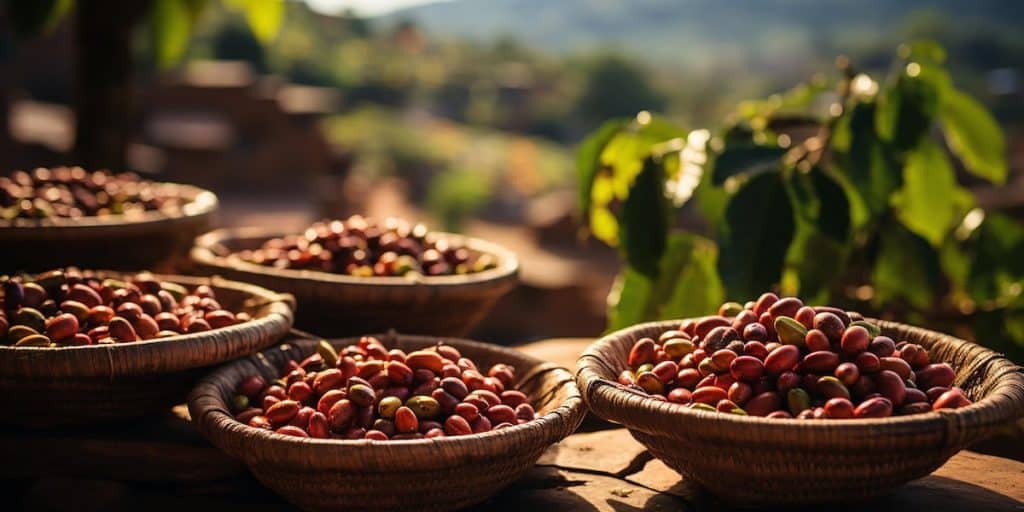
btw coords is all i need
(162, 464)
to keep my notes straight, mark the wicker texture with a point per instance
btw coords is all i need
(342, 305)
(428, 474)
(760, 461)
(42, 386)
(151, 240)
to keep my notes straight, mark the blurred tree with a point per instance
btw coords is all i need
(104, 33)
(616, 87)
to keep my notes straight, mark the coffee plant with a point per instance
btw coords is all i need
(841, 190)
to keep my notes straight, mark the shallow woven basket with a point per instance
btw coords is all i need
(150, 240)
(760, 461)
(47, 387)
(342, 305)
(427, 474)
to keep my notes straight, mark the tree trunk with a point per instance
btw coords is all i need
(104, 98)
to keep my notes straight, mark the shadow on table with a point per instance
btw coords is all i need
(538, 490)
(931, 493)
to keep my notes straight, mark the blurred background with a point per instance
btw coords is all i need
(466, 113)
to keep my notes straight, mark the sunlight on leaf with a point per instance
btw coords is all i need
(687, 286)
(263, 16)
(974, 136)
(925, 204)
(907, 268)
(170, 29)
(588, 160)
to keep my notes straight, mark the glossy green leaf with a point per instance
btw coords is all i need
(907, 106)
(974, 136)
(643, 221)
(746, 159)
(755, 236)
(926, 204)
(263, 16)
(907, 268)
(588, 160)
(624, 154)
(170, 29)
(687, 285)
(864, 160)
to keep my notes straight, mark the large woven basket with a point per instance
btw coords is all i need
(760, 461)
(342, 305)
(150, 240)
(428, 474)
(102, 383)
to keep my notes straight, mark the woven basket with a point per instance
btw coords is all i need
(760, 461)
(428, 474)
(46, 387)
(342, 305)
(150, 240)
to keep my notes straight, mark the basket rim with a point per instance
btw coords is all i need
(277, 320)
(594, 386)
(201, 203)
(202, 253)
(211, 413)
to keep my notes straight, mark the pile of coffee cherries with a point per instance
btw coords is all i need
(362, 247)
(73, 192)
(68, 307)
(365, 391)
(778, 358)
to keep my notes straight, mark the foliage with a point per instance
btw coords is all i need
(170, 22)
(423, 149)
(840, 193)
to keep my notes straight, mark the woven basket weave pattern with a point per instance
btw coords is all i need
(73, 385)
(342, 305)
(759, 461)
(430, 474)
(149, 241)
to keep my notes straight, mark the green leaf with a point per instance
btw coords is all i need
(907, 268)
(625, 152)
(996, 253)
(746, 159)
(170, 29)
(710, 201)
(588, 160)
(820, 200)
(864, 160)
(908, 105)
(687, 285)
(974, 136)
(755, 236)
(816, 262)
(34, 17)
(698, 290)
(263, 16)
(926, 204)
(643, 222)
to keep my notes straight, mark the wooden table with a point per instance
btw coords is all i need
(163, 464)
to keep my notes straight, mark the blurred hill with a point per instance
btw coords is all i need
(683, 32)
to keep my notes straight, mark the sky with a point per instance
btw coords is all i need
(364, 7)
